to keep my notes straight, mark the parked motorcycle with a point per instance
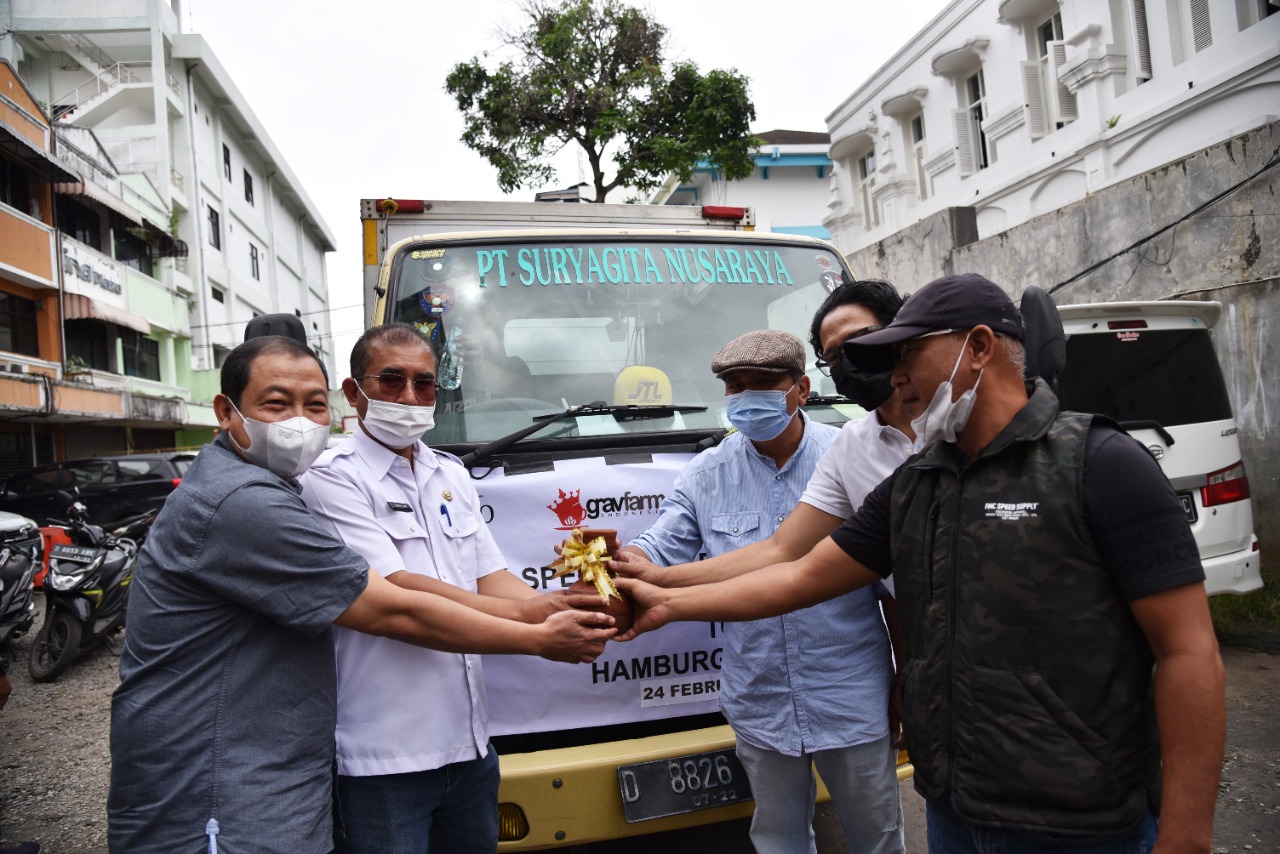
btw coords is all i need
(20, 551)
(86, 591)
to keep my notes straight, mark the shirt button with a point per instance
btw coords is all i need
(777, 477)
(779, 518)
(735, 530)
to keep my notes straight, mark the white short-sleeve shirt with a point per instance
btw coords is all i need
(402, 708)
(865, 453)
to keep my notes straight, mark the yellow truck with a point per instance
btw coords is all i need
(575, 345)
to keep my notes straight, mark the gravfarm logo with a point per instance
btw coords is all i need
(573, 512)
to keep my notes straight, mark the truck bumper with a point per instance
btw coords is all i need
(570, 796)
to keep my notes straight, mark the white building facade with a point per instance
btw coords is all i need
(1018, 107)
(184, 206)
(788, 188)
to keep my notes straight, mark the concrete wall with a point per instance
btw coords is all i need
(1229, 252)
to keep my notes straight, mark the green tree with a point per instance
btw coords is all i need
(592, 72)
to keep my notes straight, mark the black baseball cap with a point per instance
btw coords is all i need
(952, 302)
(288, 325)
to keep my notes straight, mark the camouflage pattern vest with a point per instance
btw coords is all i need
(1028, 685)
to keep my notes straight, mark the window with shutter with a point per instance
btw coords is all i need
(917, 146)
(1201, 33)
(966, 157)
(1065, 107)
(1034, 107)
(1141, 42)
(866, 184)
(981, 150)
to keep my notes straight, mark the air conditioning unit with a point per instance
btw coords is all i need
(15, 367)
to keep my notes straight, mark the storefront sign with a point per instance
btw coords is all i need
(91, 274)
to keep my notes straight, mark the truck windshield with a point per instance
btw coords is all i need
(532, 327)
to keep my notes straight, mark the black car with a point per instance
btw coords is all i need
(112, 488)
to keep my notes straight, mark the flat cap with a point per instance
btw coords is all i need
(762, 350)
(952, 302)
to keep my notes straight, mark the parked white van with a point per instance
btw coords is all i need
(1151, 366)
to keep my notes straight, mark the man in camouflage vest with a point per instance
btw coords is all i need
(1060, 659)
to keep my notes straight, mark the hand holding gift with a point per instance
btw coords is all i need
(589, 552)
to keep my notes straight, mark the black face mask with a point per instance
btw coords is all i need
(868, 389)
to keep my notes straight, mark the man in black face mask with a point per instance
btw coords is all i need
(864, 453)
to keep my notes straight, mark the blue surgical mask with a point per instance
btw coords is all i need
(759, 415)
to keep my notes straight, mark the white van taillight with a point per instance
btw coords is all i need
(723, 212)
(1225, 485)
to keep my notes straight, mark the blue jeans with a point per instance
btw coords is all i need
(449, 810)
(863, 782)
(950, 834)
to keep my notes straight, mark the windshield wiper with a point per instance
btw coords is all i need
(826, 400)
(598, 407)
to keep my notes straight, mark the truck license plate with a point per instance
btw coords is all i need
(682, 784)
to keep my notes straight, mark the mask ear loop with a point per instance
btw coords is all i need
(960, 358)
(231, 437)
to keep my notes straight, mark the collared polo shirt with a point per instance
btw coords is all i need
(815, 679)
(403, 708)
(866, 452)
(225, 712)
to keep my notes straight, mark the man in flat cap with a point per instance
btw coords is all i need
(804, 689)
(1063, 689)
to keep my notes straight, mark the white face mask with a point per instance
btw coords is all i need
(397, 425)
(944, 418)
(286, 448)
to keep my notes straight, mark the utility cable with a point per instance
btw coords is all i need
(1270, 164)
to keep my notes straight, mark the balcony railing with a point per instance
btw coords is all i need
(154, 388)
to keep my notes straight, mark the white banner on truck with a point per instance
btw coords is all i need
(668, 673)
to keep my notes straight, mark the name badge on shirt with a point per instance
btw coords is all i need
(399, 508)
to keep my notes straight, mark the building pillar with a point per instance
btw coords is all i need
(168, 363)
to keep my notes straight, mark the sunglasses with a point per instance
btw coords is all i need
(833, 357)
(392, 385)
(902, 348)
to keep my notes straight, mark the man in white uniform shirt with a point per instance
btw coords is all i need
(415, 768)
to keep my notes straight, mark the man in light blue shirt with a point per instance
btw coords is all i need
(805, 689)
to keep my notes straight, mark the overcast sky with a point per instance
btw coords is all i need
(352, 94)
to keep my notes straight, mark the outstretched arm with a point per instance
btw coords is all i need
(824, 573)
(434, 622)
(500, 594)
(803, 529)
(1190, 712)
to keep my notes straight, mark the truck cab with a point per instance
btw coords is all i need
(575, 384)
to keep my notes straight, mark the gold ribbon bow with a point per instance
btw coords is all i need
(590, 560)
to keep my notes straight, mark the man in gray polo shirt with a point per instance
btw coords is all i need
(222, 727)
